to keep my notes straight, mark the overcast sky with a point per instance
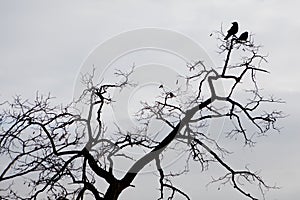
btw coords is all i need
(44, 43)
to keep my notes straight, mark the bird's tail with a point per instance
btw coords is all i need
(227, 36)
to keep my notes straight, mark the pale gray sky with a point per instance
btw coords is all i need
(43, 44)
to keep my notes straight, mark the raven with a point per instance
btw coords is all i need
(233, 30)
(243, 36)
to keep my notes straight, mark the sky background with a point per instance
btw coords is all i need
(44, 43)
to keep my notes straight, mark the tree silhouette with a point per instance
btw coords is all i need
(58, 152)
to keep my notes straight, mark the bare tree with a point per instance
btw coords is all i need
(59, 152)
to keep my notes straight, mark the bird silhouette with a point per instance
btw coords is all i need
(233, 30)
(171, 95)
(243, 36)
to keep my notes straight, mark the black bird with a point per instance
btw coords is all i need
(243, 36)
(171, 95)
(233, 30)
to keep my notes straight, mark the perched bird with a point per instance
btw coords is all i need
(171, 95)
(233, 30)
(243, 36)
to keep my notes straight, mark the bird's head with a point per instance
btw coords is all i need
(234, 23)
